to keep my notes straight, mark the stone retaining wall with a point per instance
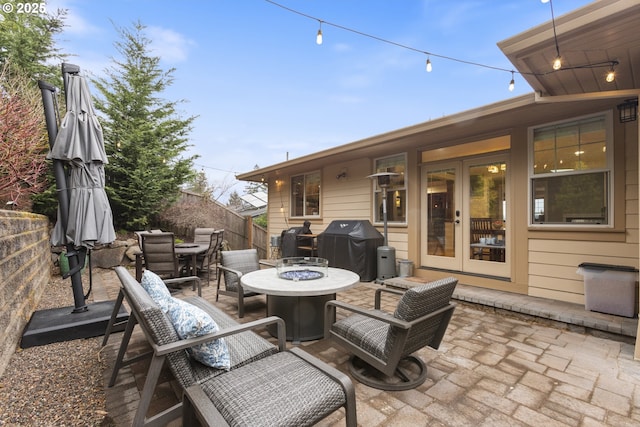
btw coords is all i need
(25, 270)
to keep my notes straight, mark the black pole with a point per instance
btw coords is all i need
(48, 96)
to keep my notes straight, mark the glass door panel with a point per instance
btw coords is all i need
(486, 216)
(440, 201)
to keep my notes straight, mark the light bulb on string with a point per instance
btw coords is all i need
(512, 83)
(319, 35)
(429, 66)
(611, 75)
(557, 63)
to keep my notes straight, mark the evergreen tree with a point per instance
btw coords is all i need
(234, 202)
(27, 44)
(145, 138)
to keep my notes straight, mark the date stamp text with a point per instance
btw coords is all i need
(33, 8)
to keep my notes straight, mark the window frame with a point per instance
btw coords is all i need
(377, 190)
(292, 203)
(608, 171)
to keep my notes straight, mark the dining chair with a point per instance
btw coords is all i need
(202, 235)
(211, 257)
(160, 257)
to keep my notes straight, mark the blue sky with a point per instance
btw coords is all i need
(263, 89)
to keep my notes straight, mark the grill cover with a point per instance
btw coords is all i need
(289, 241)
(352, 245)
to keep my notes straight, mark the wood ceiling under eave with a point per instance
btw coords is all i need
(606, 30)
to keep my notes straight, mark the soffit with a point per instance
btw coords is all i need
(606, 30)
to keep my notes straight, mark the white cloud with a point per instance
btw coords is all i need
(168, 44)
(75, 24)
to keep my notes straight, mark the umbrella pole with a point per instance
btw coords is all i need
(48, 93)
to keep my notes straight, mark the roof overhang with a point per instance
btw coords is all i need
(603, 31)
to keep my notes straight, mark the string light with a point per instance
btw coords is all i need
(611, 75)
(319, 35)
(557, 63)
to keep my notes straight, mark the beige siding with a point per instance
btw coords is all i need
(345, 198)
(553, 265)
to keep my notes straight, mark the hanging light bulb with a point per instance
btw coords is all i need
(319, 35)
(557, 63)
(512, 83)
(611, 75)
(429, 67)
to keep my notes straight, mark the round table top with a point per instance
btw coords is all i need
(266, 281)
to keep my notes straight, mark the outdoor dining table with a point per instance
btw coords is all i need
(299, 303)
(190, 252)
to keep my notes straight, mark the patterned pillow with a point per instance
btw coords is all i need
(156, 289)
(190, 321)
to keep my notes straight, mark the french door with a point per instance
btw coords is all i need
(465, 216)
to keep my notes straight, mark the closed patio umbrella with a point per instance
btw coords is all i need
(80, 144)
(84, 213)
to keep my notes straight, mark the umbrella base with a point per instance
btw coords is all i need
(60, 324)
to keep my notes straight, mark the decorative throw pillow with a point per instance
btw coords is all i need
(190, 321)
(156, 288)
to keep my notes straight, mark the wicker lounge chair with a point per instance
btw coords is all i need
(273, 386)
(382, 343)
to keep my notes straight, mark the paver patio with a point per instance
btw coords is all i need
(492, 369)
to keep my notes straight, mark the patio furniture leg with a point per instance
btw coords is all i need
(112, 319)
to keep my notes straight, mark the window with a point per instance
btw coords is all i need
(396, 191)
(571, 172)
(305, 194)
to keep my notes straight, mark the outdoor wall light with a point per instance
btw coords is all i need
(628, 110)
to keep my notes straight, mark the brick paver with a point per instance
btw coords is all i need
(492, 369)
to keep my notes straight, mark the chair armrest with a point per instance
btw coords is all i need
(161, 350)
(182, 280)
(266, 262)
(384, 317)
(195, 279)
(230, 270)
(387, 290)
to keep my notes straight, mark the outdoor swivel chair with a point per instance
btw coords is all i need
(233, 265)
(382, 343)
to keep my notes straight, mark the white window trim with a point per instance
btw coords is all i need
(377, 190)
(291, 201)
(608, 117)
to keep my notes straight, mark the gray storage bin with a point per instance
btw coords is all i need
(610, 289)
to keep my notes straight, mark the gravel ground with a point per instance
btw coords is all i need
(59, 384)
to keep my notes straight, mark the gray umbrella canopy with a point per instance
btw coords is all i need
(80, 144)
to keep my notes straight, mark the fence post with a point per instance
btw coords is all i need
(249, 231)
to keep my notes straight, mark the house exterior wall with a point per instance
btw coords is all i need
(544, 261)
(553, 257)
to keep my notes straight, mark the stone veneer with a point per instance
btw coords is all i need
(25, 270)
